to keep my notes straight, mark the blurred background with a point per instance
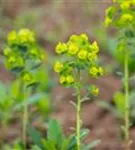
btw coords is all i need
(54, 21)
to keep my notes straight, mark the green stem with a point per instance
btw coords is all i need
(78, 116)
(25, 120)
(5, 122)
(126, 86)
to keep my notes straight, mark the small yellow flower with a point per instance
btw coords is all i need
(73, 49)
(94, 90)
(69, 79)
(58, 66)
(92, 56)
(108, 21)
(12, 37)
(94, 71)
(126, 18)
(125, 4)
(94, 47)
(82, 54)
(61, 48)
(62, 79)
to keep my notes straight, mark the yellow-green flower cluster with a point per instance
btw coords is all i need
(22, 54)
(121, 13)
(80, 55)
(23, 36)
(79, 47)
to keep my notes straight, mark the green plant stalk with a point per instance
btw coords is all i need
(78, 115)
(25, 120)
(5, 122)
(78, 125)
(126, 87)
(6, 118)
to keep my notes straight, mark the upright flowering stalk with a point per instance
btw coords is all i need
(122, 16)
(79, 55)
(23, 56)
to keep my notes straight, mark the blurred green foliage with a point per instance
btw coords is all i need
(12, 97)
(57, 140)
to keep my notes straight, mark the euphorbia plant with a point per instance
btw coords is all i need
(122, 16)
(23, 56)
(79, 57)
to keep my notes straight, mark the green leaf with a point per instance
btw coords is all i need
(17, 69)
(119, 74)
(3, 90)
(129, 33)
(84, 134)
(16, 90)
(44, 105)
(35, 136)
(72, 143)
(35, 147)
(105, 105)
(55, 133)
(110, 11)
(48, 145)
(91, 145)
(31, 100)
(119, 101)
(65, 144)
